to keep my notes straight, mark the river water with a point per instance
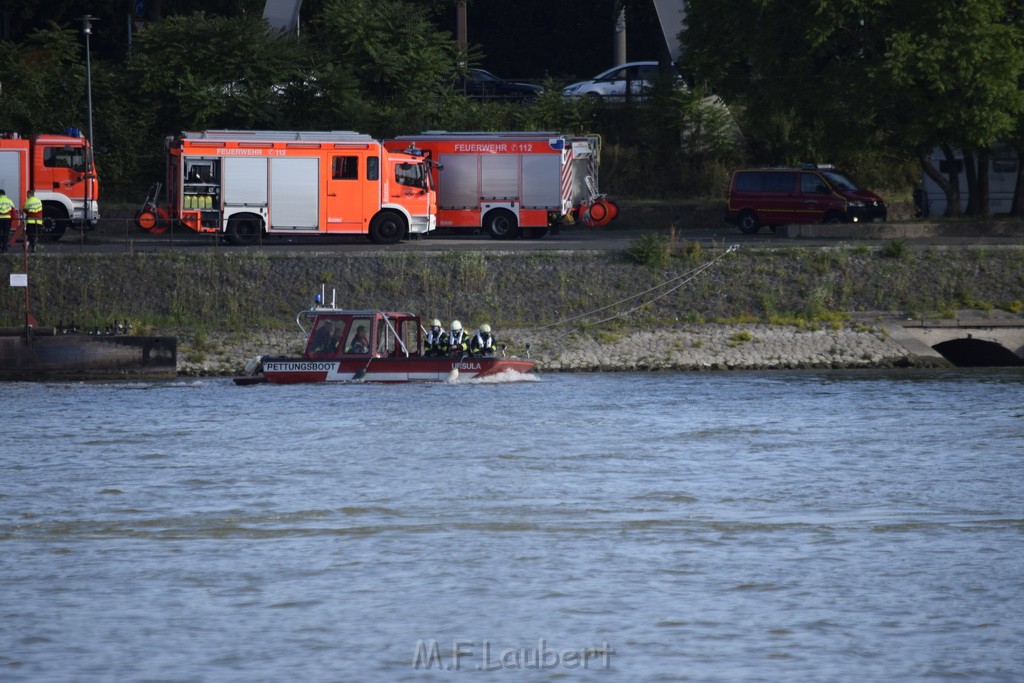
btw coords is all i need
(804, 526)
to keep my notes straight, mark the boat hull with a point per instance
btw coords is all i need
(74, 357)
(297, 370)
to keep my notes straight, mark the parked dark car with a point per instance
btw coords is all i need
(483, 85)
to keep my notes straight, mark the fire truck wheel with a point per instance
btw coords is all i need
(243, 230)
(501, 224)
(748, 223)
(387, 227)
(55, 222)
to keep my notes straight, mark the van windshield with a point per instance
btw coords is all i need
(841, 182)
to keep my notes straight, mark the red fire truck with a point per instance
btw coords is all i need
(245, 184)
(512, 184)
(61, 170)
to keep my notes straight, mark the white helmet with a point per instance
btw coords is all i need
(456, 326)
(485, 328)
(435, 323)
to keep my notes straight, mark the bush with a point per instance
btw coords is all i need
(650, 250)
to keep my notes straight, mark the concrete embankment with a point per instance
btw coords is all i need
(229, 306)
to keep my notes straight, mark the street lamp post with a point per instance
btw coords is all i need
(87, 30)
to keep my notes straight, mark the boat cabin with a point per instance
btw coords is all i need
(332, 333)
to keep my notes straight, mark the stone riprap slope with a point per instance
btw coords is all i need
(685, 347)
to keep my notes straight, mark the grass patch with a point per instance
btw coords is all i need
(740, 338)
(897, 250)
(650, 250)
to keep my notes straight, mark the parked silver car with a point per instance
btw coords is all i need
(611, 84)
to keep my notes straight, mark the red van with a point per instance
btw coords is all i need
(809, 194)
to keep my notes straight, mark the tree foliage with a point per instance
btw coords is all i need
(205, 71)
(43, 82)
(900, 77)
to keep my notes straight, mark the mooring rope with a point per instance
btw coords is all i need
(682, 280)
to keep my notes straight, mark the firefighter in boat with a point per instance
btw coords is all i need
(458, 340)
(482, 343)
(436, 343)
(361, 343)
(323, 338)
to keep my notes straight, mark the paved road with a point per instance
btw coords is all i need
(114, 240)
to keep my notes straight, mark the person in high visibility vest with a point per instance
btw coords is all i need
(33, 208)
(482, 343)
(436, 343)
(458, 340)
(6, 216)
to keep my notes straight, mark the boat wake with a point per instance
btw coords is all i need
(505, 377)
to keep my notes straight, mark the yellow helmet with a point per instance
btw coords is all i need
(485, 328)
(435, 323)
(456, 326)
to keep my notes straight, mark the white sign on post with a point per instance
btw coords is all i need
(19, 279)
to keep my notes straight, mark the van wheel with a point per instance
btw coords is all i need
(833, 217)
(748, 223)
(501, 224)
(243, 231)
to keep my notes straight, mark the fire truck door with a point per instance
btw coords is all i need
(294, 193)
(62, 170)
(499, 177)
(245, 184)
(346, 186)
(542, 181)
(459, 182)
(12, 165)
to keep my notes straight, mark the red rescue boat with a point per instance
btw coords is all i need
(373, 346)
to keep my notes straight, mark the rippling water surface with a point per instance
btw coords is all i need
(620, 527)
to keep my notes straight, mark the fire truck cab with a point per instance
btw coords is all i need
(62, 172)
(245, 184)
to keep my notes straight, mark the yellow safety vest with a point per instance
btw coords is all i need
(6, 207)
(34, 210)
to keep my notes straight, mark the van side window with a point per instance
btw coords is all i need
(372, 168)
(812, 183)
(748, 182)
(779, 182)
(345, 168)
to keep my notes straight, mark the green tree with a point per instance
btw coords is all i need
(959, 67)
(385, 65)
(43, 82)
(203, 71)
(800, 73)
(831, 80)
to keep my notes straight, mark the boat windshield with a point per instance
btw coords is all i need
(325, 338)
